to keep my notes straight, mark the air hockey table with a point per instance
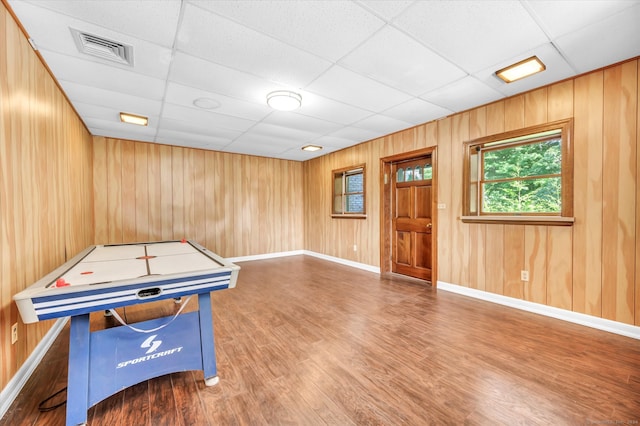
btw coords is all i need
(105, 277)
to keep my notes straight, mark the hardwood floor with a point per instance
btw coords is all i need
(303, 341)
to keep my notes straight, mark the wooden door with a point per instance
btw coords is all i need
(411, 213)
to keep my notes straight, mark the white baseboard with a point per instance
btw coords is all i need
(265, 256)
(351, 263)
(549, 311)
(13, 388)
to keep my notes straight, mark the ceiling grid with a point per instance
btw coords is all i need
(202, 69)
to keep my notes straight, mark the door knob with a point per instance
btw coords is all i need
(429, 225)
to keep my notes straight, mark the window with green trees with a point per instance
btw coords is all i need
(522, 173)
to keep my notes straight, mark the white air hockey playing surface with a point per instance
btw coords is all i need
(111, 276)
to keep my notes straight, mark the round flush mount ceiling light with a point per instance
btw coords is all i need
(284, 100)
(206, 103)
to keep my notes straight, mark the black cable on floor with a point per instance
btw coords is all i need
(43, 409)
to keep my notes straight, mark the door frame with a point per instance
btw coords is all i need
(386, 212)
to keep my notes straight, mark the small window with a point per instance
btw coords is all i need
(408, 176)
(427, 172)
(400, 177)
(417, 173)
(522, 176)
(349, 192)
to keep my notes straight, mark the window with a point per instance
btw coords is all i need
(524, 176)
(420, 172)
(348, 192)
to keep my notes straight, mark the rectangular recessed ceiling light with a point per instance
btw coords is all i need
(133, 119)
(311, 148)
(521, 69)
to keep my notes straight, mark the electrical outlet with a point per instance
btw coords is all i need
(524, 275)
(14, 333)
(355, 247)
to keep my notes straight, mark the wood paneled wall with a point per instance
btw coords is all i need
(591, 267)
(235, 205)
(46, 194)
(62, 190)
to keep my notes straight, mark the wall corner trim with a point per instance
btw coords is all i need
(548, 311)
(15, 385)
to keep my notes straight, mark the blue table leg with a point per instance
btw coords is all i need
(78, 375)
(207, 340)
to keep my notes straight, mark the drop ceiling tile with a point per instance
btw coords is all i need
(197, 129)
(284, 134)
(382, 124)
(397, 60)
(197, 73)
(172, 137)
(387, 9)
(417, 111)
(301, 122)
(557, 69)
(329, 29)
(326, 109)
(105, 77)
(353, 89)
(355, 134)
(472, 34)
(623, 42)
(152, 21)
(222, 41)
(552, 14)
(109, 99)
(259, 145)
(462, 95)
(200, 117)
(332, 142)
(185, 96)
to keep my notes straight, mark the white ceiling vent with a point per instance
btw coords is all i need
(101, 47)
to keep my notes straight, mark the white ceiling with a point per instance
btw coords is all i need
(364, 68)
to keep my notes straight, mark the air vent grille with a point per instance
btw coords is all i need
(101, 47)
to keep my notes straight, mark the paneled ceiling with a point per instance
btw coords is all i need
(364, 68)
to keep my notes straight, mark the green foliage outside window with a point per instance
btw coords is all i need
(523, 178)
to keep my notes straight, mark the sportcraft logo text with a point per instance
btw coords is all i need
(152, 346)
